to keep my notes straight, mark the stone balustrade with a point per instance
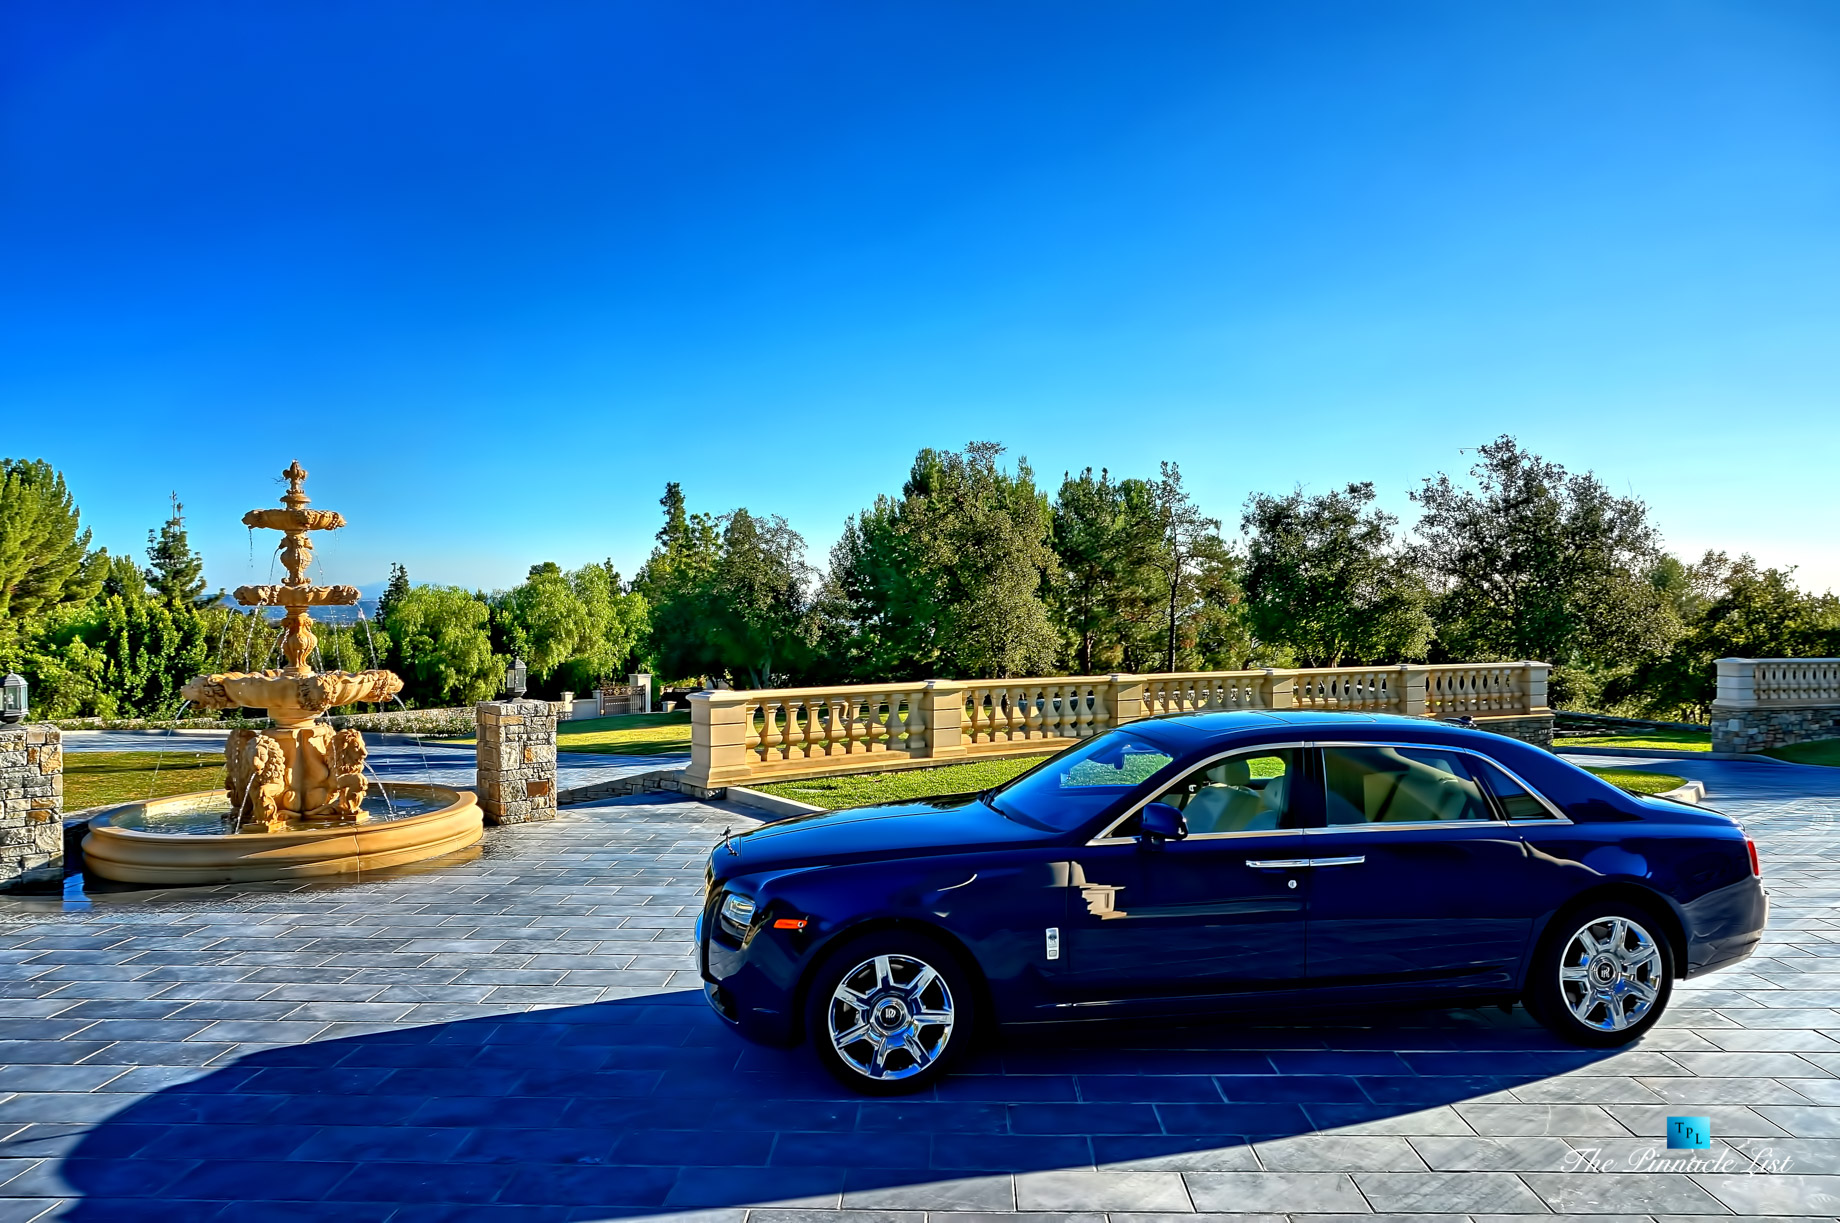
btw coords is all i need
(1772, 702)
(740, 736)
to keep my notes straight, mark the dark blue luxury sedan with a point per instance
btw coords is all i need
(1224, 861)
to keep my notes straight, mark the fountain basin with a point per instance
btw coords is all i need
(162, 840)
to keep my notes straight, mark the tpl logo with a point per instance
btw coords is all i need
(1689, 1133)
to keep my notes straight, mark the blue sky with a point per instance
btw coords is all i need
(495, 273)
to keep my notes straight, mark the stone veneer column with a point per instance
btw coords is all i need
(31, 798)
(517, 761)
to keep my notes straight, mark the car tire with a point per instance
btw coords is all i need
(1603, 974)
(890, 1012)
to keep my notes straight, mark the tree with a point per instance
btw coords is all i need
(573, 629)
(443, 646)
(728, 596)
(1731, 609)
(1105, 536)
(947, 579)
(175, 572)
(45, 559)
(1535, 562)
(125, 653)
(1187, 540)
(1325, 578)
(394, 592)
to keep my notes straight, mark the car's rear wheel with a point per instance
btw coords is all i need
(890, 1012)
(1604, 975)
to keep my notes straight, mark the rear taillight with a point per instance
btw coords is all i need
(1750, 847)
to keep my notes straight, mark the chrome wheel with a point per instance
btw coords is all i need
(1611, 974)
(890, 1017)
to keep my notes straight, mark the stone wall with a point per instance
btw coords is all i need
(517, 761)
(31, 798)
(1536, 729)
(1752, 730)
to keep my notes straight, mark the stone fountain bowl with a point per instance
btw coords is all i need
(181, 840)
(274, 690)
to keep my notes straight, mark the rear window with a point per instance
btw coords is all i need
(1511, 794)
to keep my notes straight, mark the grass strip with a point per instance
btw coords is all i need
(1820, 751)
(97, 779)
(1638, 782)
(632, 734)
(1673, 740)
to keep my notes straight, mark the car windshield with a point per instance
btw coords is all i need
(1065, 791)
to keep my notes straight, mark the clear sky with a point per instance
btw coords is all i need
(496, 272)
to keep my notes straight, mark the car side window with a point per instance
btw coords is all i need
(1510, 794)
(1399, 785)
(1250, 792)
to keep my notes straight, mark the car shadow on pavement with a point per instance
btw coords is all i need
(648, 1105)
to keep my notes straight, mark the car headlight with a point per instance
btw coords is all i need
(737, 912)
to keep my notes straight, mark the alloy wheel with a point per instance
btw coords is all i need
(1611, 973)
(890, 1017)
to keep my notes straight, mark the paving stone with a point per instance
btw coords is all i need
(519, 1038)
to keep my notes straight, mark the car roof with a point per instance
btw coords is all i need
(1184, 730)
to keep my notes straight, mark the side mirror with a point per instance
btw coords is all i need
(1160, 822)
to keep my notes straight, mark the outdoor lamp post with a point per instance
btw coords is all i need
(12, 698)
(515, 675)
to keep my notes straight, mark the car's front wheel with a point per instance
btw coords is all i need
(1603, 977)
(890, 1012)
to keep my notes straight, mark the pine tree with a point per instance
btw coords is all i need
(175, 572)
(394, 593)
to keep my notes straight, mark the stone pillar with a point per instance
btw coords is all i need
(565, 708)
(1412, 683)
(1127, 698)
(942, 705)
(1280, 689)
(718, 738)
(1538, 673)
(641, 700)
(517, 761)
(31, 798)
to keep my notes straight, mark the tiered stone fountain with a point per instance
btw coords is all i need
(295, 801)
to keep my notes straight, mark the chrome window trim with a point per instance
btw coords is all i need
(1558, 816)
(1106, 837)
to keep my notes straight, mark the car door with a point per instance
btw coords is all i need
(1413, 876)
(1221, 910)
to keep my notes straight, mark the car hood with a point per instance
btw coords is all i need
(944, 825)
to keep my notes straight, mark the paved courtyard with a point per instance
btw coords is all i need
(520, 1037)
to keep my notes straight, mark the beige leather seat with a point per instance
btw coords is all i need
(1228, 803)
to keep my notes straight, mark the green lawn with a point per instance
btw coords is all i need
(861, 789)
(1821, 751)
(635, 734)
(1639, 783)
(96, 779)
(1674, 740)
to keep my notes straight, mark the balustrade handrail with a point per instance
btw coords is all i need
(739, 734)
(1777, 682)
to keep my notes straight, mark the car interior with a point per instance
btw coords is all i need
(1239, 794)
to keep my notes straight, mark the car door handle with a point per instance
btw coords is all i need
(1293, 864)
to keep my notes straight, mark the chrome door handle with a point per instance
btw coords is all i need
(1356, 860)
(1277, 864)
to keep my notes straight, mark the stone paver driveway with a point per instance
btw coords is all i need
(519, 1037)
